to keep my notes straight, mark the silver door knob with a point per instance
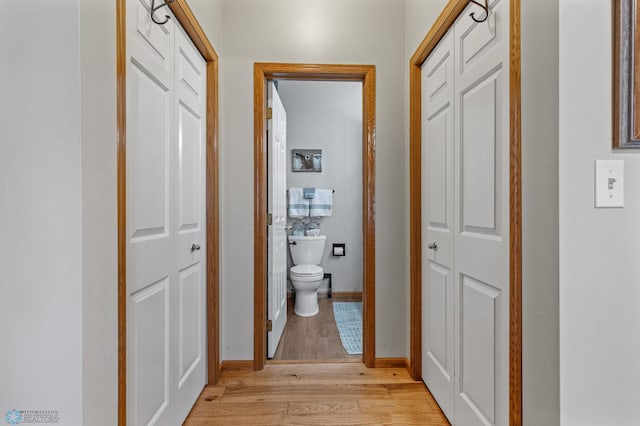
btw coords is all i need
(195, 247)
(433, 246)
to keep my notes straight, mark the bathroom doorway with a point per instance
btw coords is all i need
(323, 168)
(318, 335)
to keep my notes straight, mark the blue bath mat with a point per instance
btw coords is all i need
(349, 321)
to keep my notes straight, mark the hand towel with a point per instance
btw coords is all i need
(308, 193)
(322, 203)
(297, 206)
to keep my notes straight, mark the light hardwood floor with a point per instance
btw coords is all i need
(316, 394)
(314, 338)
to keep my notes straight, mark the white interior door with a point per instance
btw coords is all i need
(482, 218)
(150, 238)
(277, 238)
(165, 216)
(438, 224)
(189, 330)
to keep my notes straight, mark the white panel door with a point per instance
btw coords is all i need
(437, 228)
(277, 238)
(150, 238)
(482, 218)
(165, 190)
(189, 296)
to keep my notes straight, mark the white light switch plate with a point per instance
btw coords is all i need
(609, 183)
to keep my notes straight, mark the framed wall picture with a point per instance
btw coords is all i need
(626, 74)
(306, 160)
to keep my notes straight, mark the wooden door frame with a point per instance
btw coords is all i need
(445, 21)
(269, 71)
(194, 31)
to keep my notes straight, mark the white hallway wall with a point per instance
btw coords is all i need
(99, 224)
(599, 268)
(40, 209)
(328, 115)
(540, 247)
(332, 31)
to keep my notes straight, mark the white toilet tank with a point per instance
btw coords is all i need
(307, 250)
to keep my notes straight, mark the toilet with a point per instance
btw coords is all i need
(306, 275)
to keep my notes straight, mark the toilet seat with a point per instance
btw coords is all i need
(307, 272)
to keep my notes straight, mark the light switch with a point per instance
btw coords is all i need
(609, 183)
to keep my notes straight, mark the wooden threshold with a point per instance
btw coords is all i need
(313, 361)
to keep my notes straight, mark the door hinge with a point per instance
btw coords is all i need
(269, 113)
(269, 326)
(269, 219)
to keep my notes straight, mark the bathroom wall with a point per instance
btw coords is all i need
(329, 31)
(328, 116)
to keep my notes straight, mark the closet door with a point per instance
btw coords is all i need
(189, 295)
(482, 217)
(151, 240)
(165, 189)
(438, 224)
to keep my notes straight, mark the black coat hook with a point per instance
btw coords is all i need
(485, 6)
(154, 8)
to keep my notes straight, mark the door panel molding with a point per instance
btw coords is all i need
(318, 72)
(445, 21)
(188, 21)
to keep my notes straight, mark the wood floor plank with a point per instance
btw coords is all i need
(248, 420)
(316, 394)
(416, 390)
(305, 393)
(386, 406)
(326, 407)
(221, 409)
(307, 374)
(212, 393)
(336, 419)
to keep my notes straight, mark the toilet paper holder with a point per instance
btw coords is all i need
(339, 249)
